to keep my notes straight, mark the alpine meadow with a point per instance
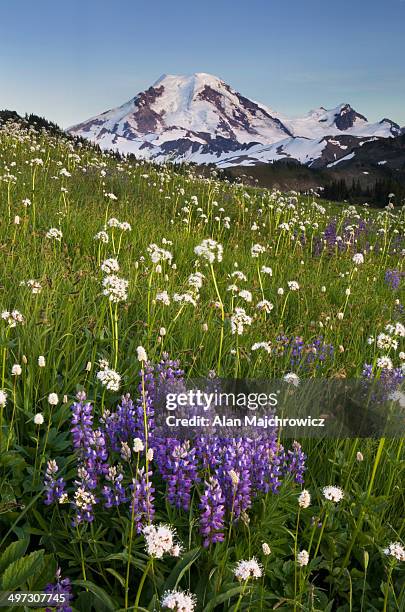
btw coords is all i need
(120, 276)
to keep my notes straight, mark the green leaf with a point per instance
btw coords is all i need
(223, 597)
(181, 568)
(13, 552)
(123, 557)
(100, 594)
(45, 576)
(17, 574)
(116, 575)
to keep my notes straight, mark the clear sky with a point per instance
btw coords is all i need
(69, 60)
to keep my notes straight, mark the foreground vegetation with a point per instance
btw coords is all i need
(110, 270)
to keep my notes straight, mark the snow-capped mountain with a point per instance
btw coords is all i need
(199, 118)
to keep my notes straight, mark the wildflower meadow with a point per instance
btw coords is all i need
(117, 277)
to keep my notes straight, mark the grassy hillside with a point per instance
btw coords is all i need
(98, 258)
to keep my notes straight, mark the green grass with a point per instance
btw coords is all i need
(71, 324)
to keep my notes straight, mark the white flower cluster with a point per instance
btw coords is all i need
(109, 378)
(141, 354)
(180, 601)
(102, 237)
(54, 234)
(257, 249)
(115, 288)
(12, 318)
(163, 296)
(358, 259)
(388, 340)
(160, 540)
(196, 280)
(240, 276)
(332, 493)
(302, 558)
(396, 550)
(186, 298)
(239, 320)
(34, 285)
(157, 254)
(245, 295)
(3, 398)
(265, 306)
(262, 345)
(304, 499)
(124, 226)
(246, 569)
(266, 270)
(291, 379)
(109, 266)
(385, 363)
(84, 498)
(210, 250)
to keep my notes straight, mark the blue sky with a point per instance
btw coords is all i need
(70, 60)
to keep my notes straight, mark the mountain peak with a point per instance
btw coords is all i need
(199, 117)
(200, 77)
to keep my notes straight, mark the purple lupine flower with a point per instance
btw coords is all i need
(121, 425)
(155, 381)
(393, 278)
(55, 487)
(62, 587)
(208, 450)
(353, 235)
(266, 462)
(142, 498)
(114, 495)
(178, 465)
(96, 456)
(212, 513)
(387, 383)
(84, 499)
(82, 423)
(89, 443)
(304, 356)
(240, 469)
(234, 475)
(295, 462)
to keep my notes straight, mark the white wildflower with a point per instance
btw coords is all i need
(54, 234)
(141, 354)
(210, 250)
(302, 558)
(3, 398)
(332, 493)
(115, 288)
(138, 445)
(179, 601)
(110, 265)
(257, 249)
(159, 539)
(358, 258)
(304, 499)
(16, 370)
(291, 379)
(396, 550)
(246, 569)
(110, 379)
(53, 399)
(38, 419)
(239, 320)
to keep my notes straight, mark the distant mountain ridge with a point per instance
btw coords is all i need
(201, 119)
